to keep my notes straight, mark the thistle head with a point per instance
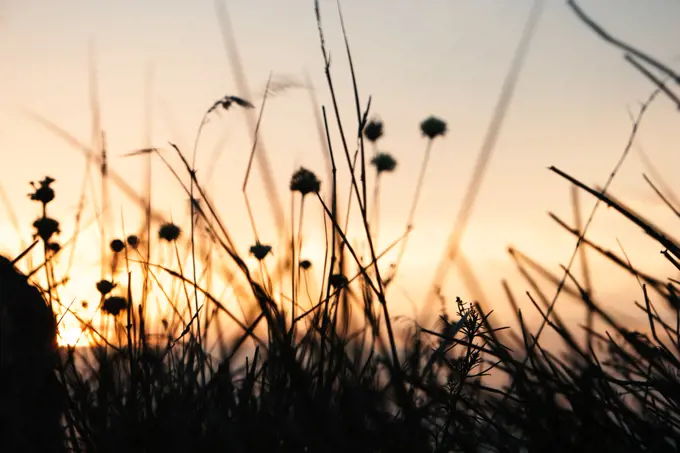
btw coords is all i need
(432, 127)
(45, 228)
(384, 162)
(117, 246)
(114, 305)
(338, 281)
(133, 241)
(304, 181)
(105, 287)
(373, 130)
(42, 192)
(169, 232)
(260, 251)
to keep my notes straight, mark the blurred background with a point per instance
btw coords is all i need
(158, 66)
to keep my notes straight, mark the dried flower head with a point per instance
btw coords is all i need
(169, 232)
(373, 130)
(337, 281)
(117, 246)
(304, 181)
(384, 162)
(105, 286)
(114, 305)
(433, 127)
(305, 264)
(84, 304)
(133, 241)
(53, 247)
(42, 190)
(260, 251)
(45, 228)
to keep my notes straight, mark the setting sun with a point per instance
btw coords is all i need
(72, 336)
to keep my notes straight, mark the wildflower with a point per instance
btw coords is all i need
(373, 130)
(85, 304)
(433, 127)
(133, 241)
(45, 228)
(117, 246)
(114, 305)
(53, 247)
(304, 181)
(43, 192)
(305, 264)
(260, 251)
(384, 162)
(337, 281)
(169, 231)
(105, 286)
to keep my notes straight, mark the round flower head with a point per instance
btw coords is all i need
(373, 130)
(304, 181)
(169, 231)
(43, 192)
(45, 228)
(338, 281)
(114, 305)
(117, 245)
(104, 287)
(384, 162)
(305, 264)
(133, 241)
(260, 251)
(433, 127)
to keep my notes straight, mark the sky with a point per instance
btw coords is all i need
(572, 109)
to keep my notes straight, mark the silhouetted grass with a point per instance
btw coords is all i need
(294, 371)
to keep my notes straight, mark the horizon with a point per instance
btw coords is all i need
(570, 110)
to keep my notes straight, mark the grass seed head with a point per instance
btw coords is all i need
(226, 102)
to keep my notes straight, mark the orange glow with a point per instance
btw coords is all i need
(73, 336)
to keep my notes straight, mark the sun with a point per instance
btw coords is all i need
(72, 336)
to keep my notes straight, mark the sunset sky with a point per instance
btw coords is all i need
(441, 57)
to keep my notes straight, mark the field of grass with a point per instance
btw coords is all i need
(297, 371)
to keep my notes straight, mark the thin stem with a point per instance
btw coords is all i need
(414, 204)
(292, 260)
